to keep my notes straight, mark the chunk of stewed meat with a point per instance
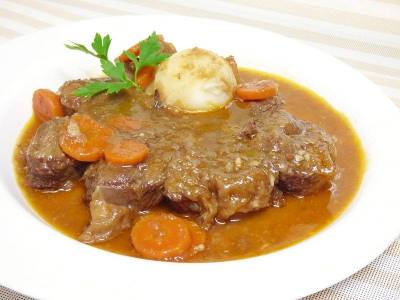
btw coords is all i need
(217, 171)
(166, 47)
(70, 102)
(187, 187)
(107, 219)
(47, 166)
(249, 189)
(309, 163)
(136, 186)
(303, 153)
(216, 191)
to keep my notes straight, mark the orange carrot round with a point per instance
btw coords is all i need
(146, 76)
(46, 105)
(198, 236)
(135, 49)
(161, 236)
(82, 151)
(126, 152)
(84, 138)
(256, 90)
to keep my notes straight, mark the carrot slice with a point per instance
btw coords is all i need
(135, 49)
(46, 105)
(198, 236)
(257, 90)
(124, 123)
(161, 236)
(84, 138)
(146, 76)
(82, 151)
(126, 152)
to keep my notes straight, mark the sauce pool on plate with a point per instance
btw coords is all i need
(244, 235)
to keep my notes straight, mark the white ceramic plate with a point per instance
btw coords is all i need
(41, 262)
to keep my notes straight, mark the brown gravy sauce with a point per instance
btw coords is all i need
(250, 235)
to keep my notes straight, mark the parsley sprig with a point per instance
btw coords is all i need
(150, 55)
(100, 46)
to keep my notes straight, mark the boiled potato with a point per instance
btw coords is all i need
(195, 80)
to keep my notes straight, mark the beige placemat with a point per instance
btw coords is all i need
(363, 33)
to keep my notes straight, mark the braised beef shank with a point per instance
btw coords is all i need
(214, 165)
(216, 170)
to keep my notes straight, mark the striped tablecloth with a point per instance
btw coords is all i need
(363, 33)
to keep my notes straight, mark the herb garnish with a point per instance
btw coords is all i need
(149, 55)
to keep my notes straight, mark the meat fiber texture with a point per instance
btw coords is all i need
(214, 168)
(69, 101)
(47, 165)
(245, 167)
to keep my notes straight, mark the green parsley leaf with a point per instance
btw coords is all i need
(93, 88)
(116, 71)
(80, 47)
(101, 45)
(133, 58)
(150, 55)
